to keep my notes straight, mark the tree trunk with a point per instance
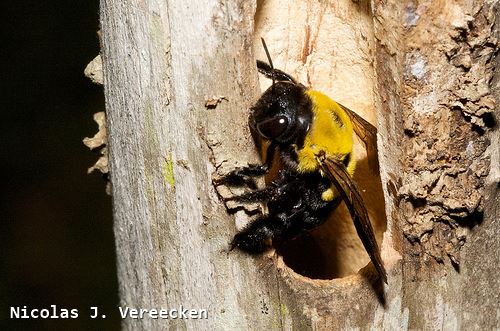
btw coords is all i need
(179, 80)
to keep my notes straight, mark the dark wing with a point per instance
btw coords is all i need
(340, 178)
(367, 133)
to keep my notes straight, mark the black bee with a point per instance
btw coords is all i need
(313, 136)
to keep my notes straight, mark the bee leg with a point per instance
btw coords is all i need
(313, 220)
(276, 190)
(307, 218)
(243, 176)
(254, 196)
(256, 237)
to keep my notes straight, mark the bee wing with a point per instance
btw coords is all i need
(367, 133)
(340, 178)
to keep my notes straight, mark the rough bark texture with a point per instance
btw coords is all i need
(434, 74)
(179, 78)
(162, 62)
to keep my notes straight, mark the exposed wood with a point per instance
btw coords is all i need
(179, 79)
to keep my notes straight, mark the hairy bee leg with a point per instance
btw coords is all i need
(256, 237)
(252, 170)
(241, 176)
(254, 196)
(275, 190)
(259, 235)
(236, 180)
(299, 223)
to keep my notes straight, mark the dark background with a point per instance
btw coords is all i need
(56, 240)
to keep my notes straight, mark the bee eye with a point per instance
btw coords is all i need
(273, 127)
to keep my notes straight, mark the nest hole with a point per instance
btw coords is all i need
(334, 250)
(305, 256)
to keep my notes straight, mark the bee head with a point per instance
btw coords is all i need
(283, 113)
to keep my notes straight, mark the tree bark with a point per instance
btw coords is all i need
(179, 79)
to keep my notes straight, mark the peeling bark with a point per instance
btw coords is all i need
(441, 190)
(448, 69)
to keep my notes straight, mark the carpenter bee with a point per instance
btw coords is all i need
(313, 136)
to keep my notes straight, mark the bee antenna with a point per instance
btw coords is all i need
(268, 59)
